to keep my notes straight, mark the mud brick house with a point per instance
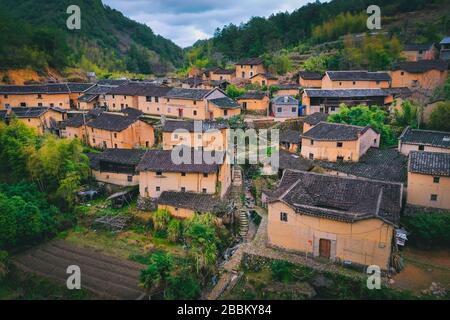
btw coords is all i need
(264, 79)
(445, 49)
(285, 107)
(224, 107)
(144, 96)
(120, 130)
(43, 119)
(308, 79)
(338, 142)
(313, 119)
(423, 140)
(158, 173)
(94, 97)
(75, 126)
(187, 204)
(255, 101)
(220, 74)
(358, 79)
(290, 140)
(190, 103)
(328, 100)
(116, 166)
(377, 164)
(429, 179)
(61, 95)
(209, 135)
(287, 89)
(331, 218)
(247, 68)
(424, 74)
(416, 52)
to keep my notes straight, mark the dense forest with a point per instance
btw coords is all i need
(318, 23)
(33, 33)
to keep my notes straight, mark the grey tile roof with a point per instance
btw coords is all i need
(291, 161)
(444, 55)
(77, 121)
(33, 112)
(112, 82)
(288, 86)
(446, 40)
(421, 66)
(268, 76)
(358, 75)
(225, 103)
(315, 118)
(193, 81)
(345, 93)
(56, 88)
(161, 160)
(250, 61)
(426, 137)
(431, 163)
(284, 100)
(99, 90)
(290, 136)
(197, 202)
(172, 125)
(307, 75)
(140, 89)
(378, 164)
(88, 97)
(252, 95)
(403, 92)
(224, 71)
(94, 162)
(112, 122)
(121, 156)
(191, 94)
(343, 199)
(417, 47)
(79, 87)
(334, 132)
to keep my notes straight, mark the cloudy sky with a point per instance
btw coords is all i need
(186, 21)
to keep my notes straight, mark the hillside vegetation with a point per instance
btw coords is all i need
(33, 33)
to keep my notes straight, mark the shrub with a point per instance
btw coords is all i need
(175, 230)
(429, 229)
(281, 270)
(161, 219)
(183, 286)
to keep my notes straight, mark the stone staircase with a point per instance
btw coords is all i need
(243, 224)
(237, 177)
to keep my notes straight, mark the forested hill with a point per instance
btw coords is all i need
(33, 33)
(320, 22)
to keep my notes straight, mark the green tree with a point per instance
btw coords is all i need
(233, 91)
(3, 264)
(175, 230)
(363, 116)
(440, 117)
(407, 116)
(161, 219)
(317, 63)
(183, 286)
(202, 241)
(282, 64)
(158, 271)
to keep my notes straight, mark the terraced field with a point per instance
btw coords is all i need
(105, 276)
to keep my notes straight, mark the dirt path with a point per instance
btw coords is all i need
(105, 276)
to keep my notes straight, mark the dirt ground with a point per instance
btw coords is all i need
(422, 269)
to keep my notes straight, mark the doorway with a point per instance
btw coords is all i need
(325, 248)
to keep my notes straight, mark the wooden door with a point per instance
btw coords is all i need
(325, 248)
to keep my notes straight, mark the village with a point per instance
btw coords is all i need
(341, 198)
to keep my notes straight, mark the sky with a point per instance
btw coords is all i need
(186, 21)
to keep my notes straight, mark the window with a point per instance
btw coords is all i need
(93, 140)
(339, 144)
(115, 135)
(354, 82)
(436, 179)
(158, 173)
(52, 105)
(225, 112)
(283, 216)
(168, 100)
(378, 82)
(421, 148)
(114, 96)
(114, 105)
(294, 110)
(39, 96)
(23, 104)
(433, 197)
(147, 144)
(195, 102)
(125, 97)
(375, 141)
(311, 156)
(199, 136)
(40, 104)
(333, 109)
(107, 176)
(205, 175)
(312, 142)
(204, 190)
(183, 174)
(115, 145)
(156, 99)
(29, 120)
(402, 73)
(263, 82)
(279, 110)
(5, 96)
(130, 178)
(339, 158)
(183, 189)
(122, 106)
(158, 189)
(244, 105)
(340, 83)
(194, 112)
